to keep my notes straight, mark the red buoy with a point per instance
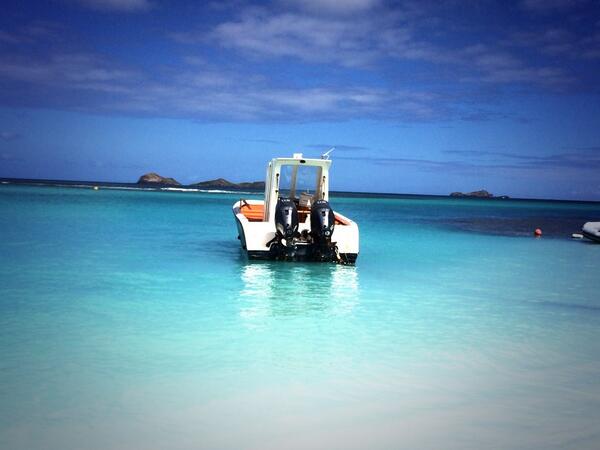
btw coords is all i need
(538, 232)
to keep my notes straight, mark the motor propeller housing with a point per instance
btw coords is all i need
(286, 218)
(322, 221)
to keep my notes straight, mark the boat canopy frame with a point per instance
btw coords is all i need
(272, 187)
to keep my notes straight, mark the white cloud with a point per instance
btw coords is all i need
(201, 91)
(255, 101)
(31, 33)
(372, 39)
(311, 39)
(332, 7)
(74, 69)
(367, 42)
(349, 42)
(386, 44)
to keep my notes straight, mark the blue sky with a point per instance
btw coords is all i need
(416, 96)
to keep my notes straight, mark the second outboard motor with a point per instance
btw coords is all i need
(322, 221)
(286, 219)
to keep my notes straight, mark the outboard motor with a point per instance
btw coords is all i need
(286, 219)
(322, 221)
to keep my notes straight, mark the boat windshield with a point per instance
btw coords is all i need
(296, 179)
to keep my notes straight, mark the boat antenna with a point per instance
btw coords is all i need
(326, 154)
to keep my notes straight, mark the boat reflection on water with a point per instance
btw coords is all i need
(281, 289)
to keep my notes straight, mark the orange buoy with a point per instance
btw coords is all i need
(537, 232)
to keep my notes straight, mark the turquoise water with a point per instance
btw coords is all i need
(130, 320)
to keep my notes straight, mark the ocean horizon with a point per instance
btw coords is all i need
(191, 188)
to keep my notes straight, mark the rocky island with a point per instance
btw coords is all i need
(155, 179)
(222, 183)
(482, 193)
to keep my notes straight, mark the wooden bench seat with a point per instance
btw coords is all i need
(255, 213)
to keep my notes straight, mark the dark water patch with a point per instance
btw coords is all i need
(552, 227)
(571, 306)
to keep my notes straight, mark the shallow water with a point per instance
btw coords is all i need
(132, 320)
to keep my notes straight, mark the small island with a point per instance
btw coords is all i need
(482, 193)
(155, 180)
(222, 183)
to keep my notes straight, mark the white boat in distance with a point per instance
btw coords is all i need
(295, 221)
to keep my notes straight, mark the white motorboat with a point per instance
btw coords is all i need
(295, 221)
(591, 230)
